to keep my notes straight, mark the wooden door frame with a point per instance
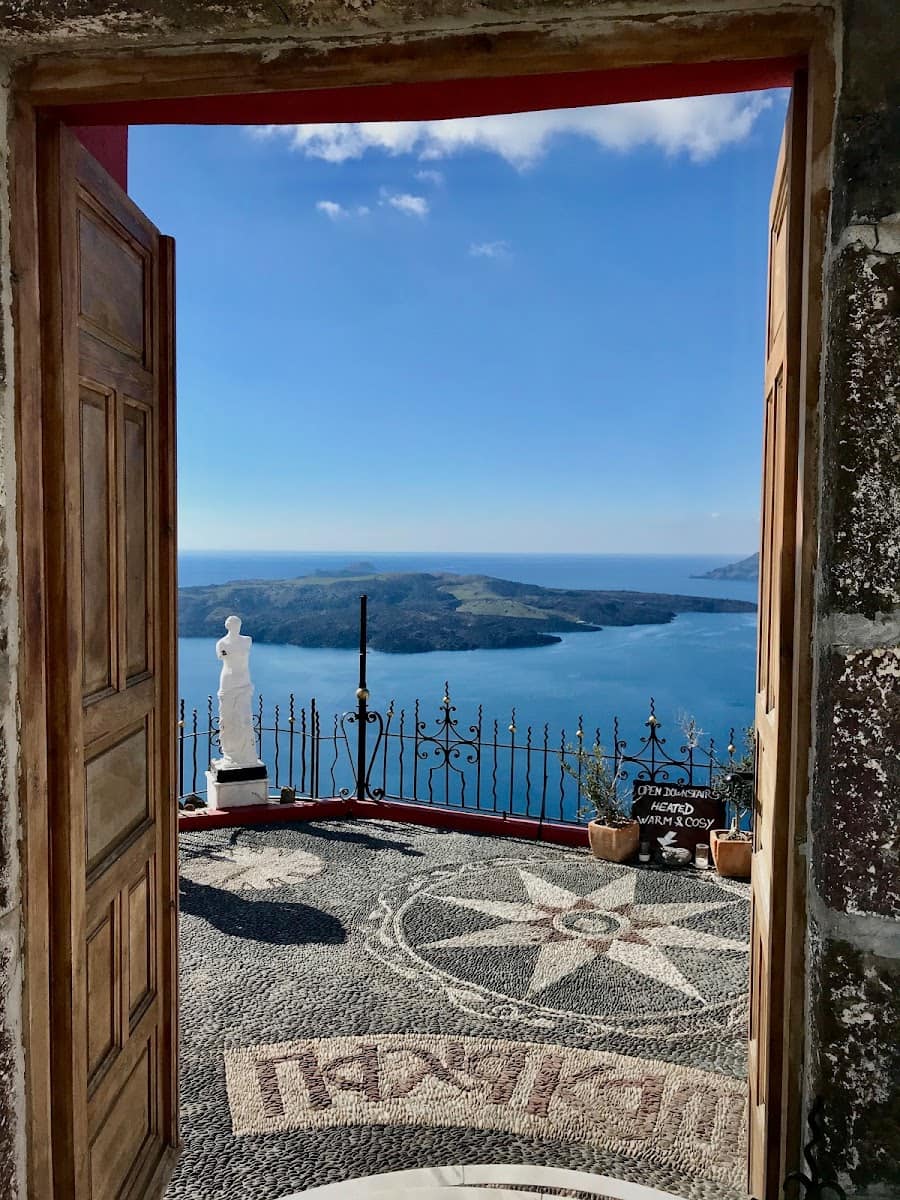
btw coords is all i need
(433, 74)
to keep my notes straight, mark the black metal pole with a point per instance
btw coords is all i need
(362, 696)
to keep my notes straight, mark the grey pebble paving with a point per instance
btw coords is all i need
(296, 932)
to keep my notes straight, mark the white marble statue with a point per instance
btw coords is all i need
(236, 736)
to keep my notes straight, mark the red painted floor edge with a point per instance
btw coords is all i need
(458, 820)
(264, 814)
(467, 821)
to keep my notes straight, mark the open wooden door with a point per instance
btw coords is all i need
(774, 765)
(109, 486)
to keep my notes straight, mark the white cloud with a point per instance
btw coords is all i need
(332, 209)
(428, 175)
(699, 126)
(412, 206)
(337, 212)
(490, 250)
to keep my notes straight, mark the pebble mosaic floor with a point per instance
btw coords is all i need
(368, 996)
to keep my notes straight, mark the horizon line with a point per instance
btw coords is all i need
(491, 553)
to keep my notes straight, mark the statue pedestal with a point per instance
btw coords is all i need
(236, 787)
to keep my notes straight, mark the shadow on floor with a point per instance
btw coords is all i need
(277, 922)
(366, 840)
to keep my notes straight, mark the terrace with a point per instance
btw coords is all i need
(368, 985)
(365, 995)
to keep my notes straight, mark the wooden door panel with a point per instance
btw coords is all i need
(97, 538)
(118, 794)
(137, 423)
(127, 1131)
(777, 288)
(103, 1025)
(778, 512)
(114, 896)
(114, 281)
(140, 940)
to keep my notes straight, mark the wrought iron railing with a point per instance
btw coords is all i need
(290, 739)
(485, 765)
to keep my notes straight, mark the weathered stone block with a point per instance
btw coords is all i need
(855, 1063)
(861, 488)
(10, 1058)
(867, 133)
(856, 795)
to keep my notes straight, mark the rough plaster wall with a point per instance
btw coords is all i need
(43, 23)
(854, 818)
(11, 1059)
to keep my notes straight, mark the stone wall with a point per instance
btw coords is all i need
(11, 1053)
(854, 812)
(854, 934)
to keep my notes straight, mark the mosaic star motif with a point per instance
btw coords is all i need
(251, 868)
(573, 930)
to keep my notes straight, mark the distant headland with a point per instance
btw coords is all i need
(745, 569)
(414, 612)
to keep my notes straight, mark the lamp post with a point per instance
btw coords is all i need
(362, 696)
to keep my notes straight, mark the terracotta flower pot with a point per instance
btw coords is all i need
(732, 858)
(614, 843)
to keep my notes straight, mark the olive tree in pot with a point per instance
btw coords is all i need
(612, 833)
(732, 848)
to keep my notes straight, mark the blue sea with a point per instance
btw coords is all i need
(701, 665)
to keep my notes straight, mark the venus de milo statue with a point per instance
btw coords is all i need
(239, 777)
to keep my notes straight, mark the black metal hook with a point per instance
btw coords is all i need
(815, 1185)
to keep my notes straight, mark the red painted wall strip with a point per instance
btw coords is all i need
(109, 145)
(448, 98)
(459, 820)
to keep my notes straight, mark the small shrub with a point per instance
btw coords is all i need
(598, 787)
(737, 787)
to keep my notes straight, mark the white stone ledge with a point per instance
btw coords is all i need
(488, 1180)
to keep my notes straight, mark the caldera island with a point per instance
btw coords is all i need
(413, 612)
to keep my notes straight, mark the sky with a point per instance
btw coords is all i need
(531, 332)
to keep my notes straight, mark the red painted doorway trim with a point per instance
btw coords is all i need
(109, 145)
(103, 127)
(447, 98)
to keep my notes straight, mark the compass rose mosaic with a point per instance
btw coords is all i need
(573, 942)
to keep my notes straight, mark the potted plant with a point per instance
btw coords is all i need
(732, 848)
(612, 833)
